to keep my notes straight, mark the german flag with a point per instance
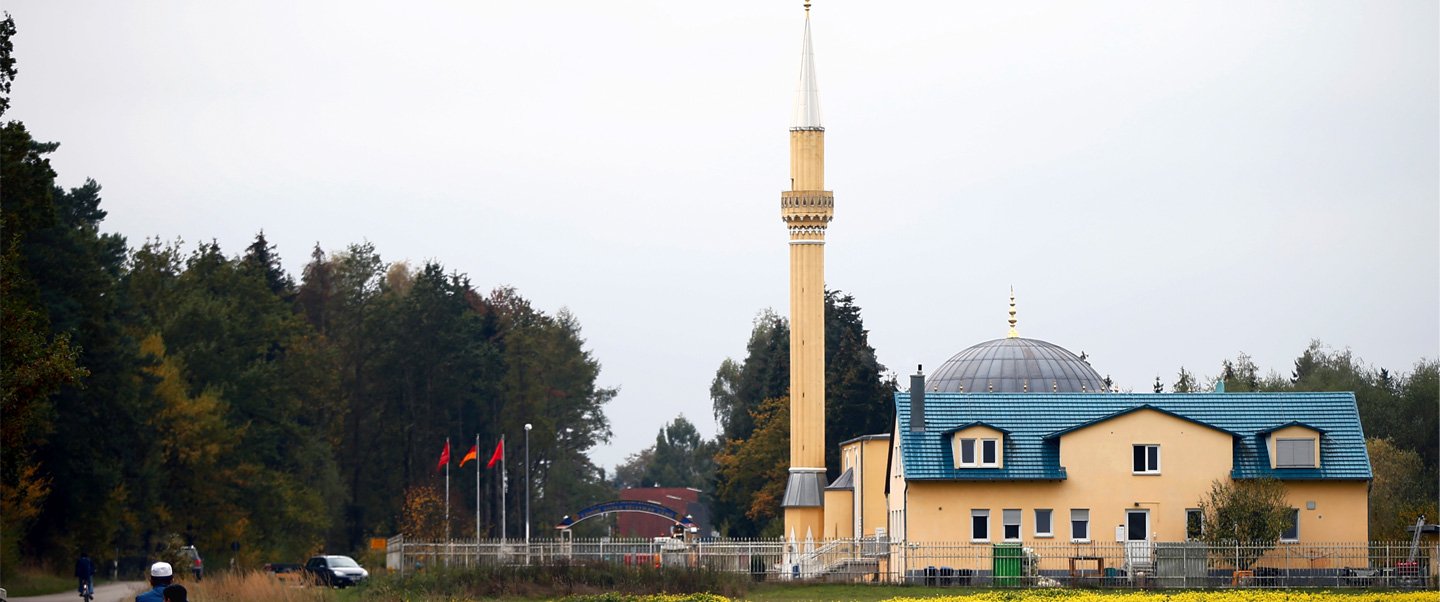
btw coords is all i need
(473, 454)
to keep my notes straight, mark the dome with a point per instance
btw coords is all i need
(1015, 365)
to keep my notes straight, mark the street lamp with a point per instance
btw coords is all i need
(527, 487)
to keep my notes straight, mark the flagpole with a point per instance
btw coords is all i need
(502, 488)
(447, 490)
(477, 498)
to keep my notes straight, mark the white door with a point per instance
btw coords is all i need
(1137, 539)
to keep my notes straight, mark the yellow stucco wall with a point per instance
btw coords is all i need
(867, 457)
(1341, 510)
(1294, 432)
(1097, 460)
(800, 521)
(1098, 464)
(839, 517)
(874, 454)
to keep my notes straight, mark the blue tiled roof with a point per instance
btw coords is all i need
(1289, 424)
(1143, 406)
(1030, 417)
(975, 423)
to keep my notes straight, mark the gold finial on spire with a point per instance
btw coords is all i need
(807, 7)
(1013, 334)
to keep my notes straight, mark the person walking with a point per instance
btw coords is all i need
(161, 574)
(85, 574)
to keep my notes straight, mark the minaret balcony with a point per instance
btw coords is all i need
(807, 206)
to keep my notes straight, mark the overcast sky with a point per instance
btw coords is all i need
(1164, 183)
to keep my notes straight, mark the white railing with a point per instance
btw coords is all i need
(1041, 563)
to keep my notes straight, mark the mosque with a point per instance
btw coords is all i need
(1019, 440)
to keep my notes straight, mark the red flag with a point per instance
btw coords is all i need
(444, 456)
(498, 455)
(473, 454)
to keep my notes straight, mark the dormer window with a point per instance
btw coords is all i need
(977, 445)
(979, 453)
(1295, 453)
(1294, 445)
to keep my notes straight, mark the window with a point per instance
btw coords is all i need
(1137, 525)
(1010, 523)
(989, 453)
(979, 525)
(1080, 525)
(1292, 530)
(1147, 459)
(1042, 523)
(1194, 524)
(1295, 453)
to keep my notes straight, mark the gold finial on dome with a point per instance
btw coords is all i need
(807, 6)
(1013, 334)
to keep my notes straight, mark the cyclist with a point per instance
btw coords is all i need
(85, 573)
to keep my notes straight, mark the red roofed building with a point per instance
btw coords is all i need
(683, 500)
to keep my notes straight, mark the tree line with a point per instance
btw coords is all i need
(1399, 413)
(168, 393)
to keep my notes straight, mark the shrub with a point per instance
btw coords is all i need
(554, 581)
(614, 597)
(245, 586)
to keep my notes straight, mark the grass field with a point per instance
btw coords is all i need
(900, 593)
(245, 587)
(28, 582)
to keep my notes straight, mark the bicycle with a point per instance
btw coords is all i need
(87, 590)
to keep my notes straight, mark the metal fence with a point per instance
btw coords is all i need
(1028, 564)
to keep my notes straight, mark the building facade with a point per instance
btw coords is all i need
(1019, 441)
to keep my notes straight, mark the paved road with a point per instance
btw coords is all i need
(123, 591)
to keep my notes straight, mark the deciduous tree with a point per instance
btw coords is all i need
(751, 473)
(1398, 491)
(1252, 512)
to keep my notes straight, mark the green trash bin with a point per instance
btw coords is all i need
(1005, 564)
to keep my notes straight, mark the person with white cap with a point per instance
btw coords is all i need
(161, 574)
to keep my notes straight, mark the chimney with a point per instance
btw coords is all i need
(917, 399)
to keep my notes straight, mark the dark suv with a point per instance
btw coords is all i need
(335, 571)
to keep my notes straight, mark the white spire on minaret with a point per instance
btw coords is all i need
(806, 115)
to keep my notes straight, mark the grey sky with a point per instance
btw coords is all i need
(1164, 183)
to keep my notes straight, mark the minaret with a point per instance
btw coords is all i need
(806, 208)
